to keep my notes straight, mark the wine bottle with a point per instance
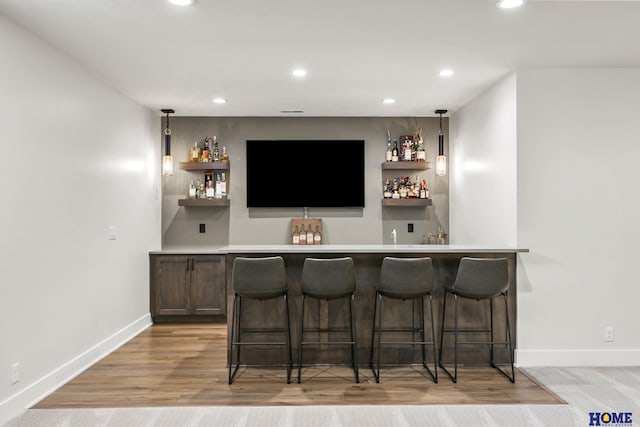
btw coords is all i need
(317, 236)
(303, 236)
(295, 237)
(394, 151)
(309, 236)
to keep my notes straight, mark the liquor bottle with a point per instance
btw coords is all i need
(210, 192)
(192, 190)
(194, 154)
(303, 236)
(224, 157)
(216, 151)
(394, 151)
(218, 186)
(386, 190)
(421, 154)
(407, 150)
(317, 236)
(309, 236)
(202, 194)
(295, 237)
(223, 185)
(206, 152)
(389, 153)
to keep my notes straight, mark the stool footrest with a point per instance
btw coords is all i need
(328, 342)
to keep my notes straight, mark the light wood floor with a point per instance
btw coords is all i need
(184, 365)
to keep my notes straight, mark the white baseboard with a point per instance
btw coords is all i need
(566, 358)
(15, 405)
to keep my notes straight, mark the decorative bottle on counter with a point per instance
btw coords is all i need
(317, 236)
(303, 236)
(295, 237)
(309, 236)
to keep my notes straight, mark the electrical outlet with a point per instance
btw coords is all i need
(202, 228)
(410, 228)
(15, 373)
(608, 333)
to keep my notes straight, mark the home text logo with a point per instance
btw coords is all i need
(610, 419)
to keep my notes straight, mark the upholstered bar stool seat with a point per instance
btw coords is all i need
(479, 279)
(329, 279)
(404, 279)
(257, 279)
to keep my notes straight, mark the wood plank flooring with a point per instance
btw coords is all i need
(184, 365)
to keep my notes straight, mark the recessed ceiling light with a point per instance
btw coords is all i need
(509, 4)
(447, 72)
(181, 2)
(219, 101)
(299, 72)
(388, 101)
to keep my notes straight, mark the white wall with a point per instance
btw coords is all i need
(578, 210)
(483, 168)
(77, 157)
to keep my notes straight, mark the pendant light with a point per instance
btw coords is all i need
(441, 160)
(167, 159)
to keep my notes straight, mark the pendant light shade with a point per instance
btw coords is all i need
(167, 159)
(441, 160)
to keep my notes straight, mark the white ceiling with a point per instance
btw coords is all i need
(356, 51)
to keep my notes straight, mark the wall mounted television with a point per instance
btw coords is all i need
(305, 173)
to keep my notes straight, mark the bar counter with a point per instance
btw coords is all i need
(367, 260)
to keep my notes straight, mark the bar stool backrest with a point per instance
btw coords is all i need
(259, 278)
(328, 278)
(406, 275)
(482, 278)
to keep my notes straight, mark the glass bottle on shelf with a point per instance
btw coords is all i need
(216, 150)
(295, 236)
(394, 151)
(202, 192)
(309, 236)
(317, 236)
(192, 190)
(194, 153)
(206, 152)
(303, 236)
(210, 191)
(223, 185)
(421, 154)
(389, 152)
(224, 157)
(218, 185)
(407, 150)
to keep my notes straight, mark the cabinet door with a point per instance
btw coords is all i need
(208, 288)
(171, 285)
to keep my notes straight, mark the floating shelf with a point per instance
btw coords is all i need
(203, 202)
(204, 166)
(406, 202)
(405, 165)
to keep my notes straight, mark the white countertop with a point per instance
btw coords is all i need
(319, 249)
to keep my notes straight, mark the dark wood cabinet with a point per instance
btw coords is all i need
(188, 287)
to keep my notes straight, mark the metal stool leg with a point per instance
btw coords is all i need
(433, 342)
(232, 338)
(354, 346)
(373, 333)
(288, 332)
(300, 341)
(379, 337)
(455, 339)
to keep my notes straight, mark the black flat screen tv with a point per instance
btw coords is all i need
(305, 173)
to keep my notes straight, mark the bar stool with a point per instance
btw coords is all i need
(328, 279)
(404, 279)
(257, 279)
(479, 279)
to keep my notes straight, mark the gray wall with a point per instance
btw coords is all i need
(240, 225)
